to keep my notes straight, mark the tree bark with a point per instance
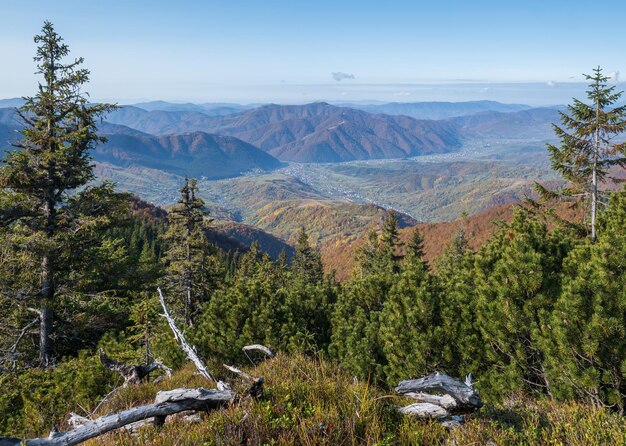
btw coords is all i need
(47, 291)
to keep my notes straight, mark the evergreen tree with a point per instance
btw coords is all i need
(409, 319)
(586, 151)
(366, 255)
(188, 257)
(390, 243)
(587, 342)
(356, 338)
(307, 261)
(266, 303)
(459, 338)
(415, 248)
(517, 281)
(53, 159)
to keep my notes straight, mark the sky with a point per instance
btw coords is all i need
(292, 51)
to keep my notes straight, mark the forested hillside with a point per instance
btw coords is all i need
(94, 284)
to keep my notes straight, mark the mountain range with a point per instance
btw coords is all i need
(194, 154)
(185, 138)
(317, 132)
(438, 110)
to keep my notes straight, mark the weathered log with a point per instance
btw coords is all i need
(458, 398)
(445, 401)
(466, 397)
(424, 410)
(132, 374)
(178, 335)
(166, 403)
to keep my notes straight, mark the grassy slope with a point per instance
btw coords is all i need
(312, 402)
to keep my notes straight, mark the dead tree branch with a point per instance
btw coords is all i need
(132, 374)
(178, 335)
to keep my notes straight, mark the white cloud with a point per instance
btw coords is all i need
(402, 93)
(614, 76)
(339, 76)
(551, 84)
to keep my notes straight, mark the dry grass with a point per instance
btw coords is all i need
(310, 402)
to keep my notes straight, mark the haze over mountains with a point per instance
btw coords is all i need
(320, 132)
(438, 110)
(316, 132)
(483, 153)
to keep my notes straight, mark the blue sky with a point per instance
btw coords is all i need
(286, 51)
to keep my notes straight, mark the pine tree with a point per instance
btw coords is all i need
(586, 151)
(458, 336)
(365, 255)
(307, 261)
(53, 159)
(390, 243)
(409, 319)
(587, 342)
(517, 281)
(415, 248)
(356, 337)
(187, 258)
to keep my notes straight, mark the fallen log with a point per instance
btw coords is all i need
(458, 398)
(166, 403)
(132, 374)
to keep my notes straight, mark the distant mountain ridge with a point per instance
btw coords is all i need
(317, 132)
(195, 154)
(322, 133)
(211, 109)
(535, 123)
(439, 110)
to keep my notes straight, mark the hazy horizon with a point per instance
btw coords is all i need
(286, 52)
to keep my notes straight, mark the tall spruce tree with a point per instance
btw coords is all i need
(390, 242)
(187, 258)
(586, 151)
(53, 159)
(307, 261)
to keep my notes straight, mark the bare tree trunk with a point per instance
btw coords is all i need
(47, 290)
(594, 175)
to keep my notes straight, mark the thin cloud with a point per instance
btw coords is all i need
(614, 76)
(339, 76)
